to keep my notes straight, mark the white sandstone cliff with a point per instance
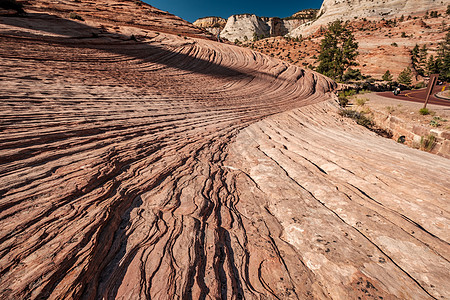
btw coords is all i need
(248, 27)
(212, 24)
(332, 10)
(245, 27)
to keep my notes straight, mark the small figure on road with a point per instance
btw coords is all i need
(396, 91)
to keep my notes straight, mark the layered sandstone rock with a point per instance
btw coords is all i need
(245, 27)
(306, 14)
(168, 166)
(112, 15)
(212, 24)
(280, 27)
(332, 10)
(250, 27)
(112, 149)
(346, 10)
(343, 207)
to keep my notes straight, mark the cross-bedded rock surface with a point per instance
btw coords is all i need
(118, 15)
(123, 175)
(350, 214)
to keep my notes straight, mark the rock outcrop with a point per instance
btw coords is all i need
(170, 166)
(332, 10)
(212, 24)
(118, 15)
(305, 14)
(347, 10)
(280, 27)
(249, 27)
(329, 193)
(246, 27)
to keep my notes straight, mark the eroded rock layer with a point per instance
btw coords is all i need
(346, 10)
(115, 14)
(213, 25)
(348, 214)
(111, 154)
(168, 167)
(247, 27)
(349, 10)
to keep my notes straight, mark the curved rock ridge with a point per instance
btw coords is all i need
(116, 14)
(171, 167)
(112, 176)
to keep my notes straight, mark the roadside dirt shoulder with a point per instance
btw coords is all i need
(429, 132)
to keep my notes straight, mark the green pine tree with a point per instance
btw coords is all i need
(338, 51)
(422, 65)
(387, 76)
(443, 59)
(431, 66)
(405, 77)
(438, 66)
(415, 57)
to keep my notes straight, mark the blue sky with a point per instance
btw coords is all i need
(192, 10)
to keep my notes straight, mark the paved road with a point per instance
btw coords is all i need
(419, 96)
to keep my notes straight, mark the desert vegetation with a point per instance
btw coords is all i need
(338, 51)
(405, 77)
(372, 60)
(425, 64)
(387, 76)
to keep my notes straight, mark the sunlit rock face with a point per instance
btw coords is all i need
(332, 10)
(248, 27)
(348, 9)
(212, 24)
(245, 27)
(141, 160)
